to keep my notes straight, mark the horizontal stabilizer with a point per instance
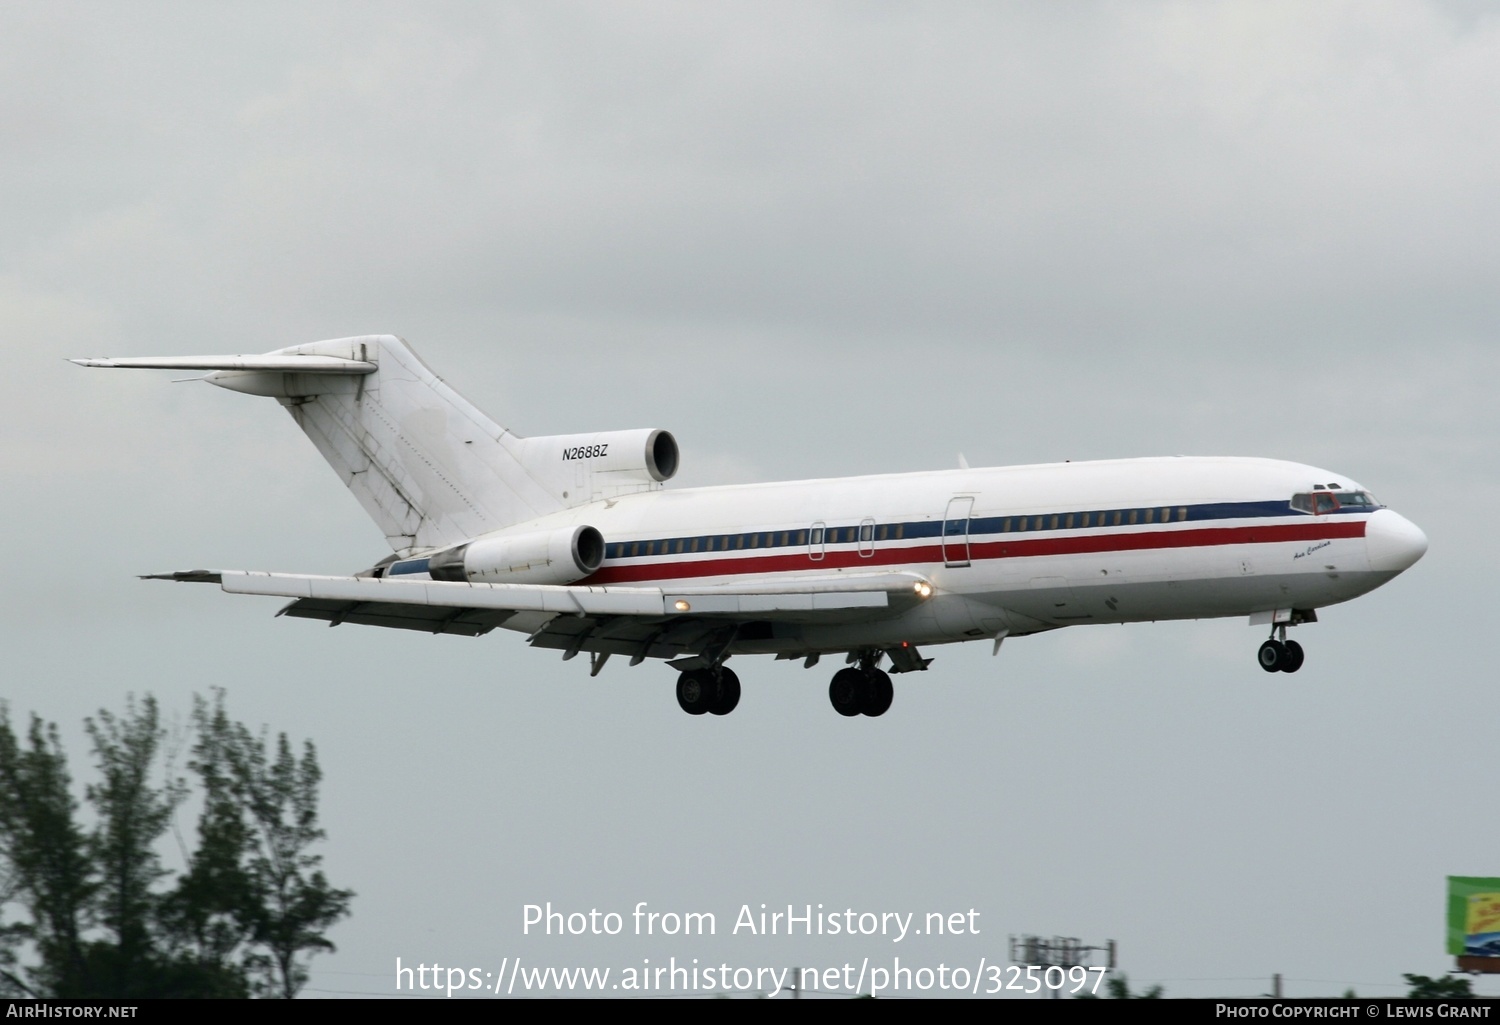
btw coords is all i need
(290, 364)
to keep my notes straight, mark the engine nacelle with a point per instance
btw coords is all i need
(559, 556)
(587, 467)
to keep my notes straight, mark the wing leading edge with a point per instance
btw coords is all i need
(308, 364)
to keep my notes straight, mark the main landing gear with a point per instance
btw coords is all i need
(1279, 655)
(861, 690)
(715, 690)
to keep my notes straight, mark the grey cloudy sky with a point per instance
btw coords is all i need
(810, 239)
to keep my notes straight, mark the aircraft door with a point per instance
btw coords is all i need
(956, 531)
(816, 541)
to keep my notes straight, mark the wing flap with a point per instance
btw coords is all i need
(433, 619)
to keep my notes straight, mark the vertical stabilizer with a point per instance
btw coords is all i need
(428, 467)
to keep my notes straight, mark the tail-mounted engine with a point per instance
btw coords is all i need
(581, 468)
(560, 556)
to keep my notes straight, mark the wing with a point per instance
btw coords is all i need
(644, 622)
(310, 364)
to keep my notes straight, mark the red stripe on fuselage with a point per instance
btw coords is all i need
(1018, 548)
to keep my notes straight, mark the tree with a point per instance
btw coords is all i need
(133, 815)
(210, 915)
(98, 921)
(11, 936)
(46, 857)
(1443, 988)
(293, 901)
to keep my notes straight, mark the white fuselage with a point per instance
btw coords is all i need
(1015, 550)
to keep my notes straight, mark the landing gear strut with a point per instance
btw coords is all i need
(715, 690)
(1279, 655)
(861, 690)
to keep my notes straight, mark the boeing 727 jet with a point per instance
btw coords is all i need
(572, 540)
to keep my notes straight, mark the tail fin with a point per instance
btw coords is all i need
(427, 466)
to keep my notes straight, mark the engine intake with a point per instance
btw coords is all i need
(661, 455)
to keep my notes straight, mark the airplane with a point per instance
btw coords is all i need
(573, 541)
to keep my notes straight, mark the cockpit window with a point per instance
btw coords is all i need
(1321, 502)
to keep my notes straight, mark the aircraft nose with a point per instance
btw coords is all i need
(1393, 542)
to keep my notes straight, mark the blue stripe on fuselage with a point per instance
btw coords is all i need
(884, 533)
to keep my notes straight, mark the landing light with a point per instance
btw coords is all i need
(923, 589)
(681, 606)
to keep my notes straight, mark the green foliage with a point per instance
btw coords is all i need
(1442, 988)
(1117, 987)
(133, 815)
(100, 920)
(293, 903)
(45, 856)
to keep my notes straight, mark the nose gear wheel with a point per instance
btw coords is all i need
(1280, 656)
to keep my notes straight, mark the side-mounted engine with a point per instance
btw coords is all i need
(560, 556)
